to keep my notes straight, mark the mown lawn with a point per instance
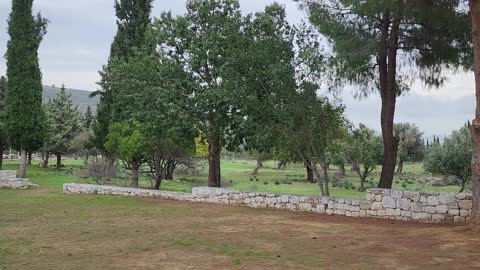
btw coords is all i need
(236, 174)
(40, 228)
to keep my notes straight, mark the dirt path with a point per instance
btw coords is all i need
(44, 230)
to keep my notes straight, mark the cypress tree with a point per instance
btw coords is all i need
(3, 136)
(88, 118)
(24, 116)
(133, 19)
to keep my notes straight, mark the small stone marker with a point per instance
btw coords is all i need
(8, 179)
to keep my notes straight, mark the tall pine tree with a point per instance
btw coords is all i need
(384, 45)
(133, 19)
(24, 116)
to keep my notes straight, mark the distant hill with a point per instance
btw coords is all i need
(79, 97)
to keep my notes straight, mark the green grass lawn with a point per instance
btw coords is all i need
(41, 228)
(236, 174)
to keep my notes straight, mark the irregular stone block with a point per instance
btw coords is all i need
(404, 204)
(389, 202)
(433, 200)
(465, 204)
(447, 198)
(396, 194)
(441, 209)
(376, 206)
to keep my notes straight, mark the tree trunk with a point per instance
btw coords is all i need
(258, 167)
(326, 179)
(388, 93)
(475, 218)
(46, 156)
(308, 165)
(85, 160)
(29, 160)
(400, 167)
(170, 169)
(319, 179)
(158, 174)
(214, 151)
(362, 183)
(135, 173)
(1, 158)
(280, 164)
(462, 187)
(59, 162)
(22, 172)
(341, 169)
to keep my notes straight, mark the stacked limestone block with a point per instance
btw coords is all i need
(8, 179)
(418, 206)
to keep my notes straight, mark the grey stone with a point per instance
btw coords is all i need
(404, 204)
(430, 209)
(433, 200)
(447, 198)
(396, 194)
(441, 209)
(388, 202)
(412, 195)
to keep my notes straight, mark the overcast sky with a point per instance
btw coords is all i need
(80, 34)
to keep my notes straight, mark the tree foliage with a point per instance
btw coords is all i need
(410, 146)
(63, 122)
(364, 152)
(385, 45)
(453, 158)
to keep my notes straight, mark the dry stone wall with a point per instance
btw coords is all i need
(419, 206)
(8, 179)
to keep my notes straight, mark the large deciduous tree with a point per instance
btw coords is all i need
(133, 20)
(24, 116)
(384, 45)
(271, 80)
(209, 43)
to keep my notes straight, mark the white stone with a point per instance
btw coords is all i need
(365, 205)
(454, 212)
(390, 212)
(285, 198)
(378, 198)
(416, 207)
(305, 207)
(376, 206)
(430, 209)
(421, 216)
(406, 214)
